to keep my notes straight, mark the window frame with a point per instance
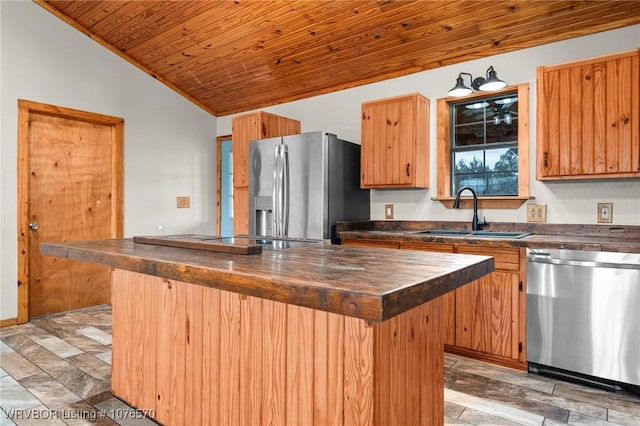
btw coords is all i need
(443, 147)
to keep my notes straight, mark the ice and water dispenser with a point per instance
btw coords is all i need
(263, 215)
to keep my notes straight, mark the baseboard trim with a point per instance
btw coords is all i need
(8, 322)
(492, 359)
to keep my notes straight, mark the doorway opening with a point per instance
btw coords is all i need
(225, 186)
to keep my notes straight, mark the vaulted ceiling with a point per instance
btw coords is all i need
(233, 56)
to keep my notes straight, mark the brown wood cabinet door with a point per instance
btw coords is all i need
(240, 211)
(244, 129)
(487, 310)
(588, 118)
(392, 142)
(395, 142)
(486, 315)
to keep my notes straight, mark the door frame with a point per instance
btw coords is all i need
(219, 140)
(25, 108)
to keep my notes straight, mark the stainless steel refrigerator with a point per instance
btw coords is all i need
(300, 185)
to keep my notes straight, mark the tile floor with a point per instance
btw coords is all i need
(56, 371)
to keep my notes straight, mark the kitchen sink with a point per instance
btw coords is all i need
(468, 233)
(499, 234)
(444, 232)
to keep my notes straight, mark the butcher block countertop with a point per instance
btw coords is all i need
(615, 238)
(370, 284)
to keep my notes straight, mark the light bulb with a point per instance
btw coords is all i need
(507, 118)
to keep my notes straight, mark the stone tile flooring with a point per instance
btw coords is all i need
(56, 371)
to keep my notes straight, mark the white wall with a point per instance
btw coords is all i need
(567, 202)
(169, 143)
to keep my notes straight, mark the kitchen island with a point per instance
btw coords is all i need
(312, 335)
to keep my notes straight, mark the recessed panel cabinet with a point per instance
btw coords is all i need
(588, 118)
(395, 142)
(484, 319)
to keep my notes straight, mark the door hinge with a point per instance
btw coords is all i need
(520, 286)
(519, 346)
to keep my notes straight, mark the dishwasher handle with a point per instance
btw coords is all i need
(541, 257)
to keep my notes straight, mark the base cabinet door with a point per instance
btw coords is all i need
(490, 312)
(486, 315)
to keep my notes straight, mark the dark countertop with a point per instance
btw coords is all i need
(371, 284)
(570, 236)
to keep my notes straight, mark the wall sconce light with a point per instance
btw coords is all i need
(486, 84)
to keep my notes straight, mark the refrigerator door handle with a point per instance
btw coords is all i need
(281, 192)
(285, 191)
(275, 192)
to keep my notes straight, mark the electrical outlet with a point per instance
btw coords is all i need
(605, 212)
(388, 211)
(536, 212)
(184, 202)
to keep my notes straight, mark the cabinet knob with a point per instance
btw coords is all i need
(545, 159)
(408, 167)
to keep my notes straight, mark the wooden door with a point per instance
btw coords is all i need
(70, 181)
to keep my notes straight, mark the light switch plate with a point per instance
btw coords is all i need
(536, 212)
(388, 211)
(605, 212)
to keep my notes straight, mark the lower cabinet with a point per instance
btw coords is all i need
(485, 319)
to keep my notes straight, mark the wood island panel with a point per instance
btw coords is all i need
(226, 358)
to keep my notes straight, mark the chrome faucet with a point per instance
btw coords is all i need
(475, 226)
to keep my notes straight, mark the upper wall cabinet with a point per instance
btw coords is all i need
(395, 143)
(588, 116)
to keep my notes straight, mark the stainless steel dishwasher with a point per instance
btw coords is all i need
(583, 316)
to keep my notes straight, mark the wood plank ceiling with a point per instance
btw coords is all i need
(233, 56)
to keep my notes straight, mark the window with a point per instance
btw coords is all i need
(483, 142)
(484, 145)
